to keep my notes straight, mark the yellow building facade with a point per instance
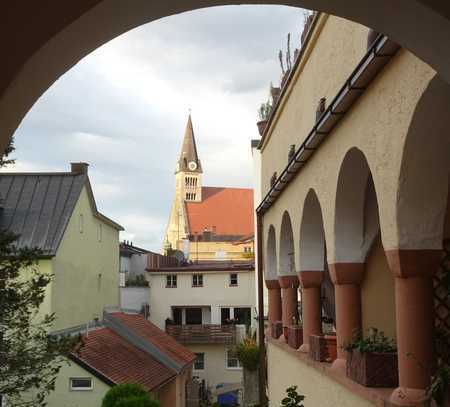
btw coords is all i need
(363, 200)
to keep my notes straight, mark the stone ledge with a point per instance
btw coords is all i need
(379, 397)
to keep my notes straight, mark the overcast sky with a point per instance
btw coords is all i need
(123, 109)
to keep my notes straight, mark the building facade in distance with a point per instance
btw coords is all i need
(207, 223)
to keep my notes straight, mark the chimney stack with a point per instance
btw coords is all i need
(79, 168)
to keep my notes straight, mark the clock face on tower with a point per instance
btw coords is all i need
(192, 165)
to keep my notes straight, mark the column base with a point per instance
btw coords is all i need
(304, 348)
(339, 366)
(406, 397)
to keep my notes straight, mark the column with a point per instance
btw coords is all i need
(413, 271)
(346, 278)
(310, 282)
(274, 294)
(289, 305)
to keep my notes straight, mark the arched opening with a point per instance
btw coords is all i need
(287, 259)
(270, 271)
(49, 39)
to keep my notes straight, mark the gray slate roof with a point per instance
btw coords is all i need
(38, 206)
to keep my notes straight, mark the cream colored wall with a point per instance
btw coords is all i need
(215, 292)
(62, 396)
(208, 250)
(284, 370)
(335, 49)
(378, 293)
(216, 370)
(79, 294)
(378, 125)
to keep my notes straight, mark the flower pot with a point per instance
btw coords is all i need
(276, 329)
(275, 92)
(323, 348)
(295, 336)
(373, 369)
(261, 126)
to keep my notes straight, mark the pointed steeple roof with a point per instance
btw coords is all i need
(188, 152)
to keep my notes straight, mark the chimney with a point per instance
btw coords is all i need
(79, 168)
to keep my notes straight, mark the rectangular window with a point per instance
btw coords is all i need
(171, 281)
(197, 280)
(232, 360)
(243, 316)
(81, 383)
(199, 363)
(233, 279)
(225, 316)
(193, 316)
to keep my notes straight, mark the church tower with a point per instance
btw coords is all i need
(188, 171)
(188, 188)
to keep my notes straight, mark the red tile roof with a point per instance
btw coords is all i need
(164, 342)
(228, 210)
(117, 360)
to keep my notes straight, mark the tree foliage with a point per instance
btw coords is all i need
(128, 395)
(30, 358)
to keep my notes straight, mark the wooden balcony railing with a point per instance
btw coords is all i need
(200, 334)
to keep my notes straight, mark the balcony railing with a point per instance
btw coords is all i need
(200, 334)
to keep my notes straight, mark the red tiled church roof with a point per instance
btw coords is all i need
(119, 361)
(226, 211)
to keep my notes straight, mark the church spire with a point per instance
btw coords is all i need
(189, 161)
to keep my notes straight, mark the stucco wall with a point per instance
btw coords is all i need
(86, 269)
(64, 397)
(215, 293)
(378, 293)
(132, 298)
(320, 390)
(216, 370)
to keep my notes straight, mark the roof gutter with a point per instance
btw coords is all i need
(378, 55)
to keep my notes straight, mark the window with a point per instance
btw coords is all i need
(81, 223)
(197, 280)
(225, 316)
(232, 360)
(193, 316)
(171, 281)
(233, 279)
(199, 362)
(81, 383)
(243, 316)
(100, 232)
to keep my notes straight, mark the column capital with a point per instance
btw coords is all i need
(272, 284)
(288, 281)
(310, 278)
(413, 263)
(346, 273)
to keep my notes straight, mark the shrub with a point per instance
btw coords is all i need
(248, 353)
(373, 343)
(128, 395)
(293, 399)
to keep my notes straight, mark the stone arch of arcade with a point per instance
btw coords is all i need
(41, 41)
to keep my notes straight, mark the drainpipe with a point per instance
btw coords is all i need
(262, 353)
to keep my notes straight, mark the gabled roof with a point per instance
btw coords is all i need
(224, 211)
(38, 206)
(189, 150)
(116, 355)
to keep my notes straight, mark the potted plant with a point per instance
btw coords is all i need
(323, 348)
(372, 361)
(277, 329)
(295, 333)
(248, 354)
(263, 113)
(293, 399)
(439, 390)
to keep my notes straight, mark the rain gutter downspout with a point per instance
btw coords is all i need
(261, 339)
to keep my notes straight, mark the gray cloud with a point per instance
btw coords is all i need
(123, 109)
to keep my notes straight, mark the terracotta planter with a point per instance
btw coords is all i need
(261, 126)
(295, 336)
(373, 369)
(276, 329)
(323, 348)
